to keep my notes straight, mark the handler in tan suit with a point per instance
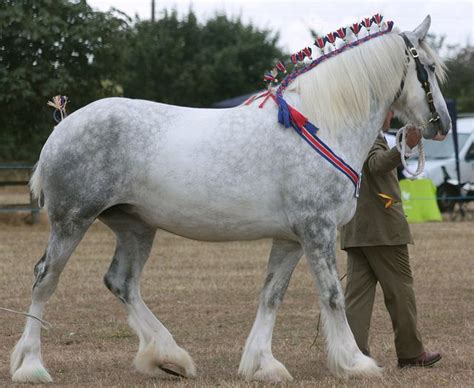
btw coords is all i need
(376, 243)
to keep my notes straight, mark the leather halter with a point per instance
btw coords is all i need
(422, 76)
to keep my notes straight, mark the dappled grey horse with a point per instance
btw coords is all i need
(231, 174)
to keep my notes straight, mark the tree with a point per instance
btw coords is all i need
(50, 47)
(183, 62)
(459, 62)
(460, 85)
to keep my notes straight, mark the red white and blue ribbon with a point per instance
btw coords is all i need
(289, 116)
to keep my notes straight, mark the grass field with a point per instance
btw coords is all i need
(207, 293)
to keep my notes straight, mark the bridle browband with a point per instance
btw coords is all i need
(422, 76)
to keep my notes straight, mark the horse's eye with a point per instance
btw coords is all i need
(431, 68)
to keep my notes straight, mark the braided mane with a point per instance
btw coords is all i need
(340, 92)
(368, 66)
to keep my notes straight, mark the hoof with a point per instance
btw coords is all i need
(176, 362)
(272, 375)
(367, 367)
(363, 367)
(271, 371)
(33, 373)
(173, 369)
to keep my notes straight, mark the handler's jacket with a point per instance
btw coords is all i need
(373, 224)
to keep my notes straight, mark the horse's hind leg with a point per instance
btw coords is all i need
(26, 363)
(157, 348)
(344, 357)
(257, 361)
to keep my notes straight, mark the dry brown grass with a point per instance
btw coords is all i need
(206, 294)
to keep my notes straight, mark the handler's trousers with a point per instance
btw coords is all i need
(390, 266)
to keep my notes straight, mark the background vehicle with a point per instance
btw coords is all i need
(440, 163)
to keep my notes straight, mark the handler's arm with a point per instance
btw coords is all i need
(381, 161)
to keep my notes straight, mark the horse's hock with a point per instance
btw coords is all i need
(15, 175)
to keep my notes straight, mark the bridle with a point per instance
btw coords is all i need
(422, 76)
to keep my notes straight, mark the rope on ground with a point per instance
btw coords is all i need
(44, 324)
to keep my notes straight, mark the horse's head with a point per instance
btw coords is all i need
(421, 101)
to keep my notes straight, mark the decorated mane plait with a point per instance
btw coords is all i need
(328, 46)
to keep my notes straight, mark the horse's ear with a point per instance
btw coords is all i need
(421, 31)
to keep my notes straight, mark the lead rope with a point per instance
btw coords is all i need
(44, 324)
(401, 147)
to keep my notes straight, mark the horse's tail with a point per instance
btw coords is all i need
(36, 185)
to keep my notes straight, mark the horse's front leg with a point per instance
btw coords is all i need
(344, 357)
(257, 361)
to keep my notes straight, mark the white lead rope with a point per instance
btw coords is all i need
(44, 324)
(401, 147)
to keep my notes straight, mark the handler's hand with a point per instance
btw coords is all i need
(413, 136)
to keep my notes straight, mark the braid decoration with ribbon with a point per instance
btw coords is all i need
(351, 36)
(59, 105)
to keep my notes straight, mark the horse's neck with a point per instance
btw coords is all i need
(352, 144)
(357, 142)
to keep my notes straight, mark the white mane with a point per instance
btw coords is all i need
(337, 94)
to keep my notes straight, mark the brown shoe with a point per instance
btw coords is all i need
(425, 359)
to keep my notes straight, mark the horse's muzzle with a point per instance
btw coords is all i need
(439, 136)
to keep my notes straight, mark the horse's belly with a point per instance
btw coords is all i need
(207, 183)
(209, 219)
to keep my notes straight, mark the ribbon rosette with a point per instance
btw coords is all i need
(269, 77)
(377, 18)
(294, 60)
(280, 66)
(355, 28)
(331, 38)
(367, 22)
(307, 51)
(341, 33)
(320, 43)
